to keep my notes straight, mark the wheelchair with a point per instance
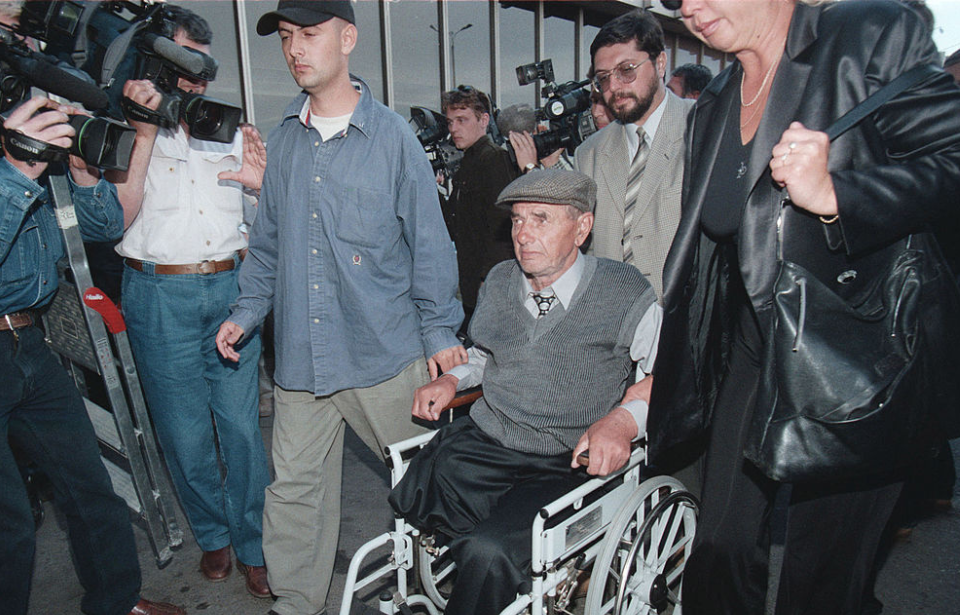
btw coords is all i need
(630, 537)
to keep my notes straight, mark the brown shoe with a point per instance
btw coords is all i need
(145, 607)
(256, 579)
(215, 565)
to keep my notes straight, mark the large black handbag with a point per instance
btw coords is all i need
(854, 390)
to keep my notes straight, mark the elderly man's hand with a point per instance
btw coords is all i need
(430, 399)
(445, 360)
(608, 441)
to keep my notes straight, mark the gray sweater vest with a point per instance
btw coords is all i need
(547, 380)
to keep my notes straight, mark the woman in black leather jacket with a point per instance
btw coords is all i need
(754, 133)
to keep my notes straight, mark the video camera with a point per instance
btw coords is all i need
(100, 141)
(566, 107)
(431, 130)
(117, 41)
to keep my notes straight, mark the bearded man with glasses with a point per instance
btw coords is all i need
(637, 161)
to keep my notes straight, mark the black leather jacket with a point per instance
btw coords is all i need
(896, 173)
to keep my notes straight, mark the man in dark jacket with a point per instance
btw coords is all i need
(480, 231)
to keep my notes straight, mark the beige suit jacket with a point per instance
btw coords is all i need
(604, 157)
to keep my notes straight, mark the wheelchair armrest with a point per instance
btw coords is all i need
(637, 457)
(399, 454)
(467, 396)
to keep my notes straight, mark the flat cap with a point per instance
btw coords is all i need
(551, 186)
(304, 13)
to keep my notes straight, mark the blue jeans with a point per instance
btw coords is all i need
(204, 408)
(41, 410)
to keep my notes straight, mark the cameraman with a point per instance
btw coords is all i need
(480, 231)
(183, 202)
(40, 407)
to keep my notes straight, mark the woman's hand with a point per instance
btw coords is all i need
(799, 164)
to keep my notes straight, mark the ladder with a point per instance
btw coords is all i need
(80, 326)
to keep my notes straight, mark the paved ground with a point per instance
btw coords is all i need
(921, 576)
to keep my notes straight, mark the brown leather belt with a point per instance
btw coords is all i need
(12, 322)
(204, 268)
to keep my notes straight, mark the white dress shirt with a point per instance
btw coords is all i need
(188, 215)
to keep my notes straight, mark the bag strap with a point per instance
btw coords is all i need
(876, 100)
(854, 116)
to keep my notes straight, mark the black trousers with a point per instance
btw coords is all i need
(41, 410)
(484, 497)
(833, 530)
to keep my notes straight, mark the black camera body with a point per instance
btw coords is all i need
(117, 41)
(566, 106)
(101, 142)
(431, 130)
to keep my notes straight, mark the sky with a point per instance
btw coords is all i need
(947, 29)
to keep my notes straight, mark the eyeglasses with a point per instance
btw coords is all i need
(625, 73)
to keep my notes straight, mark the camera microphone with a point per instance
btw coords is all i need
(53, 79)
(189, 61)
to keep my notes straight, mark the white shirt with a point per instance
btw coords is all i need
(643, 349)
(188, 215)
(649, 127)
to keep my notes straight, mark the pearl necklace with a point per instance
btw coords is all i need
(762, 86)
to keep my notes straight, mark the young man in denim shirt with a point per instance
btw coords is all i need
(350, 250)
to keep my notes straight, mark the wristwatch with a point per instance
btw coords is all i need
(529, 167)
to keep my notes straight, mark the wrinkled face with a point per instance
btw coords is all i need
(465, 127)
(729, 25)
(187, 84)
(317, 55)
(630, 102)
(546, 239)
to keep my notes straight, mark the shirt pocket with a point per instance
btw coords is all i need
(23, 261)
(365, 217)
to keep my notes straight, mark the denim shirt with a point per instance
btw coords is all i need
(350, 250)
(30, 240)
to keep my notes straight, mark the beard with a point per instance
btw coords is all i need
(630, 113)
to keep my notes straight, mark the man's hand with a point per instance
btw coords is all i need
(49, 126)
(446, 360)
(145, 94)
(83, 174)
(524, 148)
(431, 398)
(228, 335)
(608, 441)
(251, 171)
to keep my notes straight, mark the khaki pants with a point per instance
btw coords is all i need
(301, 517)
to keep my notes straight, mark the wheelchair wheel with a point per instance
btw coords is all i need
(640, 565)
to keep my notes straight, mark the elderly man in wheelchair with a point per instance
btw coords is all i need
(557, 334)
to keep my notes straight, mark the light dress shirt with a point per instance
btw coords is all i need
(649, 127)
(188, 215)
(643, 349)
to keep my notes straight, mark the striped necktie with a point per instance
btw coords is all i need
(633, 189)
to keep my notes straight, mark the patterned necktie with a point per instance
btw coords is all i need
(633, 189)
(544, 303)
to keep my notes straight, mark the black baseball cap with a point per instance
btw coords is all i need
(305, 13)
